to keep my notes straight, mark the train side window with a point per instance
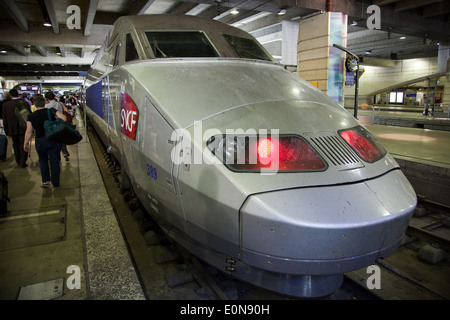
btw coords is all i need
(130, 49)
(247, 48)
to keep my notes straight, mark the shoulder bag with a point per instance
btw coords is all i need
(61, 131)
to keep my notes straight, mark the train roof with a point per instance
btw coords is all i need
(225, 41)
(172, 22)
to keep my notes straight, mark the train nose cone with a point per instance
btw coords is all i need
(326, 230)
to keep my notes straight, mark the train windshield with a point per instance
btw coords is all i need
(180, 44)
(247, 48)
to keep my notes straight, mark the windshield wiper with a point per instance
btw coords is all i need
(155, 45)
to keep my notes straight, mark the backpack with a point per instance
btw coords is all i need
(3, 194)
(22, 111)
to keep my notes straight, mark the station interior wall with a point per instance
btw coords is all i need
(379, 77)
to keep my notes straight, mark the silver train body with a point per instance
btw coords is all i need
(179, 99)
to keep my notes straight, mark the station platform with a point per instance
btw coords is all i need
(407, 116)
(407, 142)
(423, 154)
(64, 243)
(51, 241)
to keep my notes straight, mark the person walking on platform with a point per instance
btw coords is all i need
(58, 106)
(13, 129)
(47, 150)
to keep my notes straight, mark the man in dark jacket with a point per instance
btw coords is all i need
(13, 129)
(6, 99)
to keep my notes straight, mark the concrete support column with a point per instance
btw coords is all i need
(289, 42)
(318, 61)
(443, 65)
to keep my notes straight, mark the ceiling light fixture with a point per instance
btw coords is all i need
(402, 37)
(234, 11)
(281, 12)
(354, 23)
(47, 24)
(3, 51)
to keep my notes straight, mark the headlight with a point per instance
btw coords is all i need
(228, 150)
(285, 153)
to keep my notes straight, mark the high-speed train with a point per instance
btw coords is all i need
(244, 164)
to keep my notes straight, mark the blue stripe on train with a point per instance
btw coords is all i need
(94, 98)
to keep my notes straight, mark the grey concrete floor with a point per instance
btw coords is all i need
(48, 235)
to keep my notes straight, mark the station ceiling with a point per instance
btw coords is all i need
(31, 51)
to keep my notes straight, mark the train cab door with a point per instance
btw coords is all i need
(208, 220)
(107, 106)
(154, 142)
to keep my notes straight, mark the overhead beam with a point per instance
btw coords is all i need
(140, 6)
(383, 2)
(102, 17)
(50, 59)
(245, 16)
(62, 50)
(15, 67)
(52, 15)
(436, 9)
(41, 50)
(35, 74)
(223, 14)
(198, 9)
(93, 4)
(20, 49)
(250, 18)
(412, 4)
(183, 8)
(43, 36)
(209, 13)
(15, 13)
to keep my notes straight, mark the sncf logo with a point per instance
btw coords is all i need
(129, 115)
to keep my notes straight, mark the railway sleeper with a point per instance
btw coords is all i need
(177, 275)
(431, 254)
(165, 254)
(146, 225)
(153, 237)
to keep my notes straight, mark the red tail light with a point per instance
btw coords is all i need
(255, 154)
(363, 143)
(266, 150)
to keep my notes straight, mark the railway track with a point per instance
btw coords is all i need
(168, 272)
(431, 223)
(420, 268)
